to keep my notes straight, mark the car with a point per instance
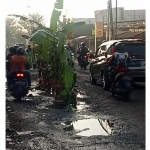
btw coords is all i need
(99, 69)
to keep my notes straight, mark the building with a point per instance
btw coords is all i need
(122, 15)
(87, 20)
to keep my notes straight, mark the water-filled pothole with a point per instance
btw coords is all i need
(24, 132)
(89, 127)
(82, 105)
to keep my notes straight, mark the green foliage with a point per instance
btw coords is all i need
(51, 50)
(55, 15)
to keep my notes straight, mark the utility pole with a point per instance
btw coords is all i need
(103, 27)
(111, 22)
(116, 22)
(108, 14)
(95, 39)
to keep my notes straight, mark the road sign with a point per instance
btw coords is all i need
(99, 30)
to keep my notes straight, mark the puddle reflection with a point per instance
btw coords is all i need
(89, 127)
(82, 105)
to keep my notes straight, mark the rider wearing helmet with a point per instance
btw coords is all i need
(18, 63)
(8, 58)
(82, 51)
(118, 61)
(15, 49)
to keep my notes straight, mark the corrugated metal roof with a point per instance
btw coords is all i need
(129, 34)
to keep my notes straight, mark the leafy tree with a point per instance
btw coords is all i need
(16, 28)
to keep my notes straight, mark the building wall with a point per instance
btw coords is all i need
(84, 30)
(133, 15)
(102, 14)
(87, 20)
(122, 15)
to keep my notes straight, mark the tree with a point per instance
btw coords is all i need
(16, 28)
(13, 32)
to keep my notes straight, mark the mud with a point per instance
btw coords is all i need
(100, 122)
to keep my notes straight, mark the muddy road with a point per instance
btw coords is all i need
(100, 122)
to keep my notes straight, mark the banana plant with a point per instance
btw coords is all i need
(60, 73)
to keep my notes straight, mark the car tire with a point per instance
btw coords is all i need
(106, 83)
(92, 79)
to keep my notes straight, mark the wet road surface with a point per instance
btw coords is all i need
(100, 122)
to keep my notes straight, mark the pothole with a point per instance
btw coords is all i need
(89, 127)
(81, 105)
(24, 132)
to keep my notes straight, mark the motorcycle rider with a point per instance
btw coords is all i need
(12, 51)
(15, 48)
(82, 51)
(117, 61)
(18, 63)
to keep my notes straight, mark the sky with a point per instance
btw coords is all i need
(75, 8)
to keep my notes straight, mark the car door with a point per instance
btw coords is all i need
(98, 55)
(97, 66)
(109, 50)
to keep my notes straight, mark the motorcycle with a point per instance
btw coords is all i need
(84, 62)
(19, 88)
(123, 84)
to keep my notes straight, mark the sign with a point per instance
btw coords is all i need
(93, 31)
(99, 30)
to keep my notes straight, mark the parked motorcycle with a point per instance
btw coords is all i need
(84, 62)
(123, 85)
(19, 88)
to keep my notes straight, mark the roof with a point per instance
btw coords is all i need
(131, 35)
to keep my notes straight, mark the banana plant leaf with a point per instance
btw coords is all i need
(68, 79)
(43, 36)
(56, 14)
(55, 17)
(69, 27)
(59, 4)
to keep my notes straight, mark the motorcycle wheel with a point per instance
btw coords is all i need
(112, 92)
(127, 96)
(18, 98)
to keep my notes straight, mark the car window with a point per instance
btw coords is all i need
(101, 50)
(109, 52)
(135, 48)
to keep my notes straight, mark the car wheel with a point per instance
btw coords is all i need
(106, 83)
(92, 79)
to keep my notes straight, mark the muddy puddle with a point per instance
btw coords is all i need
(82, 105)
(88, 127)
(24, 132)
(81, 95)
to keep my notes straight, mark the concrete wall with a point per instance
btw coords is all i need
(87, 20)
(122, 15)
(132, 15)
(99, 14)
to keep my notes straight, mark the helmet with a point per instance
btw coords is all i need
(83, 44)
(11, 49)
(20, 51)
(15, 48)
(119, 47)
